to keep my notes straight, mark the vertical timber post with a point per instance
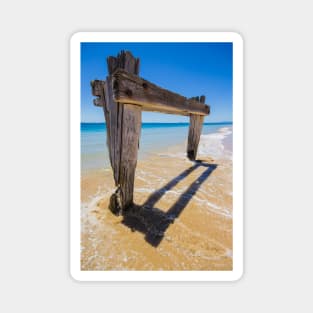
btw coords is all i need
(123, 128)
(195, 128)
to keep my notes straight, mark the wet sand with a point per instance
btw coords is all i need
(184, 220)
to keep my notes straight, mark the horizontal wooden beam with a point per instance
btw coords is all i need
(129, 88)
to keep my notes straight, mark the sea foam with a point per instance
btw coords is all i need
(213, 144)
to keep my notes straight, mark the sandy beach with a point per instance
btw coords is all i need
(185, 219)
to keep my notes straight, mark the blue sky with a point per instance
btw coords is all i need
(190, 69)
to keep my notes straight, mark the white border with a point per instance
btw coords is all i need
(237, 271)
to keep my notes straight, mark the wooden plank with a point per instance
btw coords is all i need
(195, 128)
(112, 113)
(131, 128)
(124, 126)
(129, 88)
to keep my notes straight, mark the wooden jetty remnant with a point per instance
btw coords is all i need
(123, 95)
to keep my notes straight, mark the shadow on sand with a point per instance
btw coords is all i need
(153, 222)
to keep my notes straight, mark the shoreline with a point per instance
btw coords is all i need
(190, 203)
(154, 139)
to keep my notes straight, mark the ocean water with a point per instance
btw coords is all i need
(155, 138)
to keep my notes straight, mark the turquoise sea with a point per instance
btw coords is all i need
(155, 137)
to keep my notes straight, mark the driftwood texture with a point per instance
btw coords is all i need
(98, 90)
(195, 128)
(123, 130)
(128, 88)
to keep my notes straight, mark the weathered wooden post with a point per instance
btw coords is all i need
(123, 122)
(124, 126)
(195, 128)
(123, 95)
